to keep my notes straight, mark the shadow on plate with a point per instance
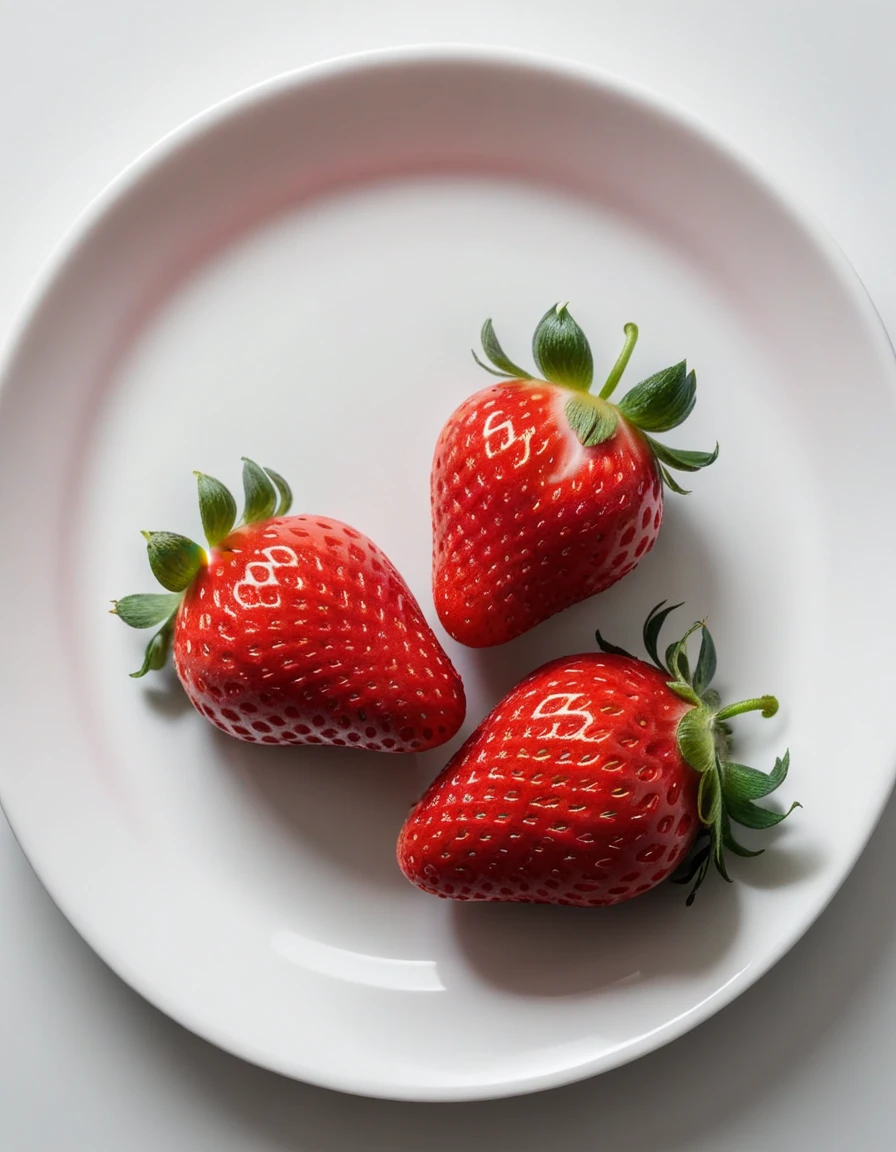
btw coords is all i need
(165, 695)
(547, 950)
(343, 804)
(780, 864)
(821, 989)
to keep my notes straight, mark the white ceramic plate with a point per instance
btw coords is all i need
(298, 276)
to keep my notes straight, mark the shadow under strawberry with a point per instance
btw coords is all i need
(343, 806)
(550, 950)
(166, 697)
(780, 864)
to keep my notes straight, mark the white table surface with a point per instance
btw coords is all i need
(803, 1059)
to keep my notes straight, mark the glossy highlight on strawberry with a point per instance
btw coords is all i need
(544, 494)
(595, 779)
(295, 629)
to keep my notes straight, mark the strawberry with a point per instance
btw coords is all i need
(542, 493)
(294, 629)
(590, 783)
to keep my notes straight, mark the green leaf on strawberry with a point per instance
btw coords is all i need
(652, 630)
(727, 790)
(146, 609)
(659, 403)
(260, 493)
(706, 663)
(283, 491)
(671, 483)
(680, 458)
(732, 845)
(217, 508)
(695, 740)
(743, 783)
(157, 650)
(592, 419)
(561, 349)
(176, 560)
(662, 401)
(503, 365)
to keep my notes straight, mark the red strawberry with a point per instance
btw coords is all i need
(589, 782)
(295, 629)
(543, 494)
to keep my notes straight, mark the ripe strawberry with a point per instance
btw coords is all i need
(543, 494)
(294, 629)
(589, 783)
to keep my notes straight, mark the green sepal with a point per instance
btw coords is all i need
(146, 609)
(503, 365)
(745, 783)
(491, 371)
(685, 691)
(662, 401)
(174, 559)
(718, 858)
(670, 481)
(682, 459)
(709, 797)
(592, 420)
(674, 659)
(694, 868)
(156, 651)
(696, 743)
(611, 649)
(716, 822)
(687, 869)
(260, 493)
(706, 663)
(744, 811)
(652, 627)
(561, 350)
(284, 491)
(677, 656)
(752, 816)
(217, 508)
(733, 845)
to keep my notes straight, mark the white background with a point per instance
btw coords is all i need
(804, 1059)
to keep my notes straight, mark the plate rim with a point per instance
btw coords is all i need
(187, 134)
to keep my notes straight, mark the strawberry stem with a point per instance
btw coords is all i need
(767, 705)
(631, 339)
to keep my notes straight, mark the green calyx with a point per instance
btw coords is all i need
(563, 356)
(176, 560)
(727, 791)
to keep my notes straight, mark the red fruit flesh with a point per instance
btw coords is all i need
(526, 520)
(572, 791)
(301, 631)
